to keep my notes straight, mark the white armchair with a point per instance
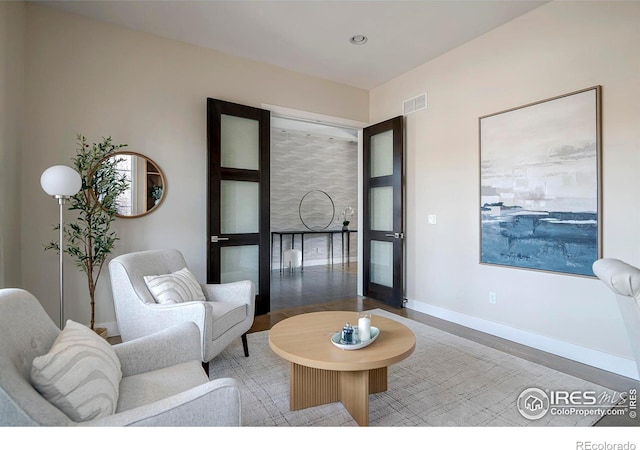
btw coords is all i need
(624, 280)
(162, 382)
(227, 313)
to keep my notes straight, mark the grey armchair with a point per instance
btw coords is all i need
(163, 383)
(227, 313)
(624, 280)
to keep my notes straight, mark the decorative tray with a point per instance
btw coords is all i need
(336, 339)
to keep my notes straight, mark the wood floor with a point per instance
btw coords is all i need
(313, 285)
(356, 303)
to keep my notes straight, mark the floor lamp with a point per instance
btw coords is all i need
(61, 182)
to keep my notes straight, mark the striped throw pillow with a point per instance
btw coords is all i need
(177, 287)
(80, 374)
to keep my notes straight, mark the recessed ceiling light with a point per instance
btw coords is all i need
(358, 39)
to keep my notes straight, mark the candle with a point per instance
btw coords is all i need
(364, 329)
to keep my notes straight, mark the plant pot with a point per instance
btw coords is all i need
(102, 332)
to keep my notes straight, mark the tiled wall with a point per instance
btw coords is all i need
(303, 162)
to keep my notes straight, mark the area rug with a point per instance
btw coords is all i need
(447, 381)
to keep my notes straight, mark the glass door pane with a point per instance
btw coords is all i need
(382, 154)
(240, 207)
(381, 208)
(381, 269)
(239, 263)
(239, 142)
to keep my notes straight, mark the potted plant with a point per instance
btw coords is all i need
(346, 215)
(90, 238)
(156, 193)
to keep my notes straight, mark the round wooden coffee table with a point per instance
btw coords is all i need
(322, 373)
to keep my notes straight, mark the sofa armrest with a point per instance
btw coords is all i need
(236, 292)
(157, 317)
(216, 403)
(174, 345)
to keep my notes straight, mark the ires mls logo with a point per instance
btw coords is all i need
(534, 403)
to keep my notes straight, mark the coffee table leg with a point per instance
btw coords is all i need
(354, 395)
(311, 387)
(377, 380)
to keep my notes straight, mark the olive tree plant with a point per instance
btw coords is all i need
(89, 238)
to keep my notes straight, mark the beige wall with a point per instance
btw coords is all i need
(556, 49)
(148, 92)
(12, 41)
(85, 77)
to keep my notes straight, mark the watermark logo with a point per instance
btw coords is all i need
(534, 403)
(589, 445)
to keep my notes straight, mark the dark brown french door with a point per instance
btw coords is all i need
(238, 244)
(383, 246)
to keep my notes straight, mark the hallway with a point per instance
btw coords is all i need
(313, 285)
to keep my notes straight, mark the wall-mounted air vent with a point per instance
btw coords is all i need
(414, 104)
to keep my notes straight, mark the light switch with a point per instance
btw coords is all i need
(431, 218)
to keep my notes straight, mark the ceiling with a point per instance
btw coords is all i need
(312, 37)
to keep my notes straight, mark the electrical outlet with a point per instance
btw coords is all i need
(493, 298)
(431, 219)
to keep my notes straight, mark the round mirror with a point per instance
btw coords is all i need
(146, 184)
(317, 210)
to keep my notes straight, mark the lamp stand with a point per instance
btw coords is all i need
(61, 182)
(61, 201)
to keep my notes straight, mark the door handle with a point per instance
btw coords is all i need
(395, 235)
(215, 239)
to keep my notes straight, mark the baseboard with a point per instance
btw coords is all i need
(319, 262)
(601, 360)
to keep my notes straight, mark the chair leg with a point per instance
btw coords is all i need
(245, 345)
(205, 366)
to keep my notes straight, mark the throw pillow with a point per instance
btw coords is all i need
(177, 287)
(80, 374)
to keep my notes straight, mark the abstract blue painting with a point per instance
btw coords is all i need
(540, 185)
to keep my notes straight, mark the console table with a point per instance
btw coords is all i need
(302, 233)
